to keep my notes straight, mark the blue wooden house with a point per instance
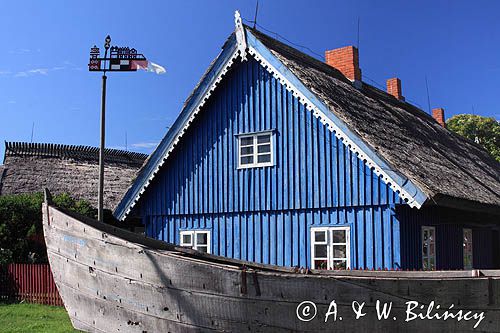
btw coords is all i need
(280, 158)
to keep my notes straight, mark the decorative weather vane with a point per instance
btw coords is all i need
(121, 59)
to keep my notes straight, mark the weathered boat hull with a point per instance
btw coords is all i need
(111, 280)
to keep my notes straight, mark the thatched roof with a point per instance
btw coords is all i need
(445, 166)
(30, 167)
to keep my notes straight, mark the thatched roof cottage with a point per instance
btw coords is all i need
(281, 158)
(30, 167)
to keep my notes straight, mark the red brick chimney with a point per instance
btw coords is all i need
(394, 88)
(346, 60)
(438, 115)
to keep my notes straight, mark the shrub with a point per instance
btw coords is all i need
(21, 222)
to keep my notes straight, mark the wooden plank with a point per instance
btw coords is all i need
(369, 239)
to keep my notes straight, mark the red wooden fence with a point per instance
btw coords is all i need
(32, 283)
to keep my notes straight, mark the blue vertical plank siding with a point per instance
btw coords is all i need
(278, 238)
(312, 167)
(266, 214)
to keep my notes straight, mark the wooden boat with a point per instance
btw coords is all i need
(112, 280)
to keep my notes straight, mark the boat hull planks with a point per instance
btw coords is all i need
(111, 280)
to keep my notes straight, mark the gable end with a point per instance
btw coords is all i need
(400, 184)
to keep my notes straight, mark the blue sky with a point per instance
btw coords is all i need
(45, 45)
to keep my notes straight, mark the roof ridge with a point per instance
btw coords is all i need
(19, 148)
(315, 61)
(320, 65)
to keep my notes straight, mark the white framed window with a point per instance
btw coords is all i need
(255, 150)
(428, 248)
(330, 248)
(196, 239)
(468, 262)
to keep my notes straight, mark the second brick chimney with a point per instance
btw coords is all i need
(394, 88)
(438, 115)
(346, 60)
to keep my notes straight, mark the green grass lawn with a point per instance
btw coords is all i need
(19, 318)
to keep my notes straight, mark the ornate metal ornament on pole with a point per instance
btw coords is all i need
(121, 59)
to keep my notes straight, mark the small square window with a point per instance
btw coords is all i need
(264, 158)
(196, 239)
(320, 251)
(255, 150)
(246, 160)
(339, 251)
(263, 149)
(338, 236)
(201, 238)
(186, 240)
(263, 138)
(320, 236)
(330, 248)
(246, 150)
(246, 141)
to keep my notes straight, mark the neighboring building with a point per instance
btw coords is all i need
(31, 167)
(280, 158)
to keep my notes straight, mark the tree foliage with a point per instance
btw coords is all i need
(21, 225)
(483, 130)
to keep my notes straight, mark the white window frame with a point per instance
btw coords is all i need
(329, 249)
(429, 256)
(468, 241)
(255, 153)
(193, 235)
